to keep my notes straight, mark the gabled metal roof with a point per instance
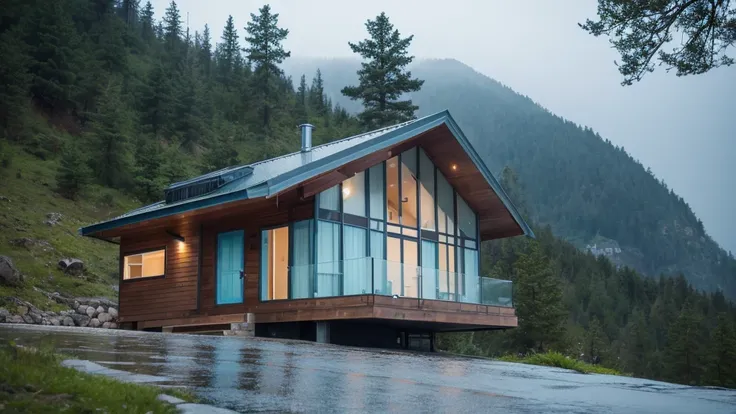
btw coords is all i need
(269, 177)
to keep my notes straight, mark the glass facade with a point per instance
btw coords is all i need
(397, 228)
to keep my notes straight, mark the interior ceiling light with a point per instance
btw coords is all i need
(454, 167)
(346, 192)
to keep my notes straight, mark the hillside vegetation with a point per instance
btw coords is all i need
(103, 103)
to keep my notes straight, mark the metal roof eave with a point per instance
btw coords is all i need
(166, 211)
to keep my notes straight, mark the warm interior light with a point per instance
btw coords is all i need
(392, 165)
(345, 192)
(454, 167)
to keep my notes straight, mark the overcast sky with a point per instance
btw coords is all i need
(683, 128)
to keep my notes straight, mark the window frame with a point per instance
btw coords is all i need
(123, 255)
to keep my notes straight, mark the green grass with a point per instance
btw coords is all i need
(33, 381)
(556, 359)
(29, 183)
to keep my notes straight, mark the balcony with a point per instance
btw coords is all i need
(367, 275)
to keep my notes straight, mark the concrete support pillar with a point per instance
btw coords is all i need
(323, 332)
(247, 328)
(167, 329)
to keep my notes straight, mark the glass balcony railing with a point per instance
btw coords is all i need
(367, 275)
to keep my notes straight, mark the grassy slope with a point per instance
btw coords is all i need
(35, 382)
(29, 182)
(556, 359)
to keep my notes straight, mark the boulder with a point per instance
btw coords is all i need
(104, 317)
(113, 325)
(27, 318)
(76, 304)
(93, 303)
(37, 318)
(22, 310)
(106, 325)
(82, 309)
(113, 312)
(100, 309)
(9, 275)
(15, 319)
(55, 321)
(80, 320)
(91, 312)
(94, 323)
(52, 219)
(4, 315)
(67, 321)
(71, 266)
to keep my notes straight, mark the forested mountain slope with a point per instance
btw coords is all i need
(589, 191)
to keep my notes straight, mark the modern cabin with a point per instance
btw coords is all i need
(370, 240)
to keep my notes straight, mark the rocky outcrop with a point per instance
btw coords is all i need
(52, 219)
(84, 312)
(9, 275)
(71, 266)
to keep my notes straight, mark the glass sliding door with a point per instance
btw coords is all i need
(429, 272)
(302, 271)
(328, 259)
(393, 266)
(356, 264)
(410, 268)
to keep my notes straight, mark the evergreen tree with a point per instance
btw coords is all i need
(148, 178)
(382, 78)
(317, 95)
(172, 28)
(54, 56)
(229, 59)
(158, 103)
(684, 346)
(595, 342)
(14, 81)
(538, 302)
(148, 31)
(301, 100)
(205, 52)
(73, 174)
(722, 358)
(265, 52)
(109, 142)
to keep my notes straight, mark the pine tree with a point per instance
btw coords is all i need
(205, 52)
(301, 100)
(190, 123)
(109, 142)
(14, 81)
(382, 78)
(722, 358)
(265, 52)
(229, 59)
(684, 346)
(538, 302)
(595, 342)
(172, 30)
(54, 55)
(317, 95)
(73, 174)
(158, 103)
(148, 178)
(148, 30)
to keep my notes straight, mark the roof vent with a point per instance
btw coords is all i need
(204, 184)
(306, 136)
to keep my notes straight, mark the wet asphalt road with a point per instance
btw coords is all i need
(264, 375)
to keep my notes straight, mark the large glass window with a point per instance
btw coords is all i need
(353, 195)
(465, 219)
(392, 190)
(142, 265)
(275, 263)
(409, 188)
(377, 203)
(426, 175)
(330, 199)
(356, 266)
(445, 205)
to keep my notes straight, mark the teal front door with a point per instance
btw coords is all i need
(230, 267)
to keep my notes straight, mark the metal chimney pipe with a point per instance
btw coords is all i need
(306, 136)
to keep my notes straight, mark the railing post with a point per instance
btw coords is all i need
(480, 288)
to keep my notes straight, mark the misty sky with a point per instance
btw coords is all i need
(683, 128)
